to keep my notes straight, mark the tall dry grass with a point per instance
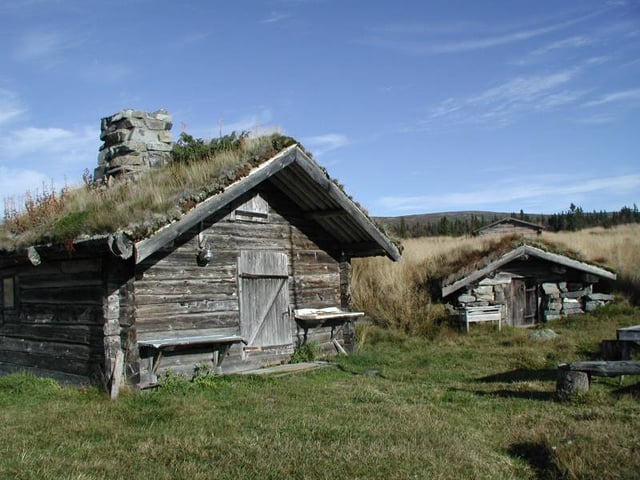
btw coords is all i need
(399, 294)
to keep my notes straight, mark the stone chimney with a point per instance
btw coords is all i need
(134, 142)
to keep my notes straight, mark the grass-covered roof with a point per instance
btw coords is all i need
(138, 208)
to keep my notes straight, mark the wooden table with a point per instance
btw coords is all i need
(310, 318)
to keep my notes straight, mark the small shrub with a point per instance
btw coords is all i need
(305, 352)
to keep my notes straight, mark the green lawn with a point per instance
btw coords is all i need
(454, 406)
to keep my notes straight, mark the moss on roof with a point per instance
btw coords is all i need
(492, 249)
(200, 169)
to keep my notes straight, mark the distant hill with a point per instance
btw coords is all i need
(449, 223)
(465, 222)
(427, 218)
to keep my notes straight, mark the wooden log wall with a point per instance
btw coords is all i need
(58, 323)
(174, 296)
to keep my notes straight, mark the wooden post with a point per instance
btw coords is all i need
(570, 383)
(348, 331)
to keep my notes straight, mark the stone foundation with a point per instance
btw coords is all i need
(558, 299)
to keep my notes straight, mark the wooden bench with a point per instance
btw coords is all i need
(159, 345)
(489, 313)
(576, 377)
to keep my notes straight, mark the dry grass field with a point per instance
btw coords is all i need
(397, 294)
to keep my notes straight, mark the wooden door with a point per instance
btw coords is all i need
(264, 298)
(524, 302)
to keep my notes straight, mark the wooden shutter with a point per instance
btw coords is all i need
(264, 298)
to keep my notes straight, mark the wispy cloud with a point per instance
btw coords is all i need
(275, 17)
(51, 146)
(500, 105)
(190, 38)
(423, 40)
(577, 41)
(632, 95)
(106, 72)
(544, 190)
(36, 45)
(320, 144)
(256, 124)
(10, 106)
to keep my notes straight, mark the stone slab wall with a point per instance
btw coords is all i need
(558, 299)
(134, 141)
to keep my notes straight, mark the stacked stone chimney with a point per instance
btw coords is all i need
(134, 141)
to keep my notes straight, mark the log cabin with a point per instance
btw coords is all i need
(236, 282)
(525, 286)
(510, 226)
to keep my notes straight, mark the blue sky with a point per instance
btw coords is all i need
(415, 106)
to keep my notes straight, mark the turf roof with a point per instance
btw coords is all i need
(140, 207)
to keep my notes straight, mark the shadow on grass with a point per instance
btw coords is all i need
(520, 375)
(523, 394)
(540, 456)
(633, 390)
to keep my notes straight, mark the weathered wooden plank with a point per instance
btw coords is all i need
(91, 295)
(604, 368)
(81, 334)
(180, 298)
(147, 335)
(186, 308)
(84, 366)
(81, 279)
(187, 287)
(190, 321)
(53, 349)
(60, 314)
(629, 333)
(63, 267)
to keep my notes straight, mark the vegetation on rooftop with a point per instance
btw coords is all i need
(200, 169)
(412, 286)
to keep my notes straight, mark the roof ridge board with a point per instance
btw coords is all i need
(314, 169)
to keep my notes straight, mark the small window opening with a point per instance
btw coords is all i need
(8, 293)
(255, 209)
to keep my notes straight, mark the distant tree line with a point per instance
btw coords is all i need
(575, 218)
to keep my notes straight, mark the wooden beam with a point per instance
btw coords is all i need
(569, 262)
(604, 369)
(338, 212)
(315, 172)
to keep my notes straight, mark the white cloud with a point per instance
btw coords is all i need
(500, 105)
(540, 190)
(33, 141)
(15, 182)
(10, 106)
(321, 144)
(257, 124)
(438, 39)
(632, 95)
(577, 41)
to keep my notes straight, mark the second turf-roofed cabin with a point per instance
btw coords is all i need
(235, 281)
